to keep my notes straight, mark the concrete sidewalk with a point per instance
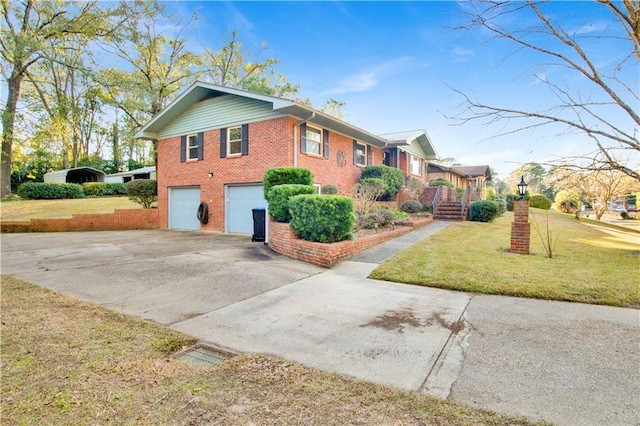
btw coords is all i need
(573, 364)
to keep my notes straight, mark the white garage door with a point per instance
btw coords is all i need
(241, 200)
(183, 208)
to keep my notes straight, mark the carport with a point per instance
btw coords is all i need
(75, 175)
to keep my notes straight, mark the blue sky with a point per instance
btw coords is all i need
(394, 64)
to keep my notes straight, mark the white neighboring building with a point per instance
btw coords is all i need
(124, 177)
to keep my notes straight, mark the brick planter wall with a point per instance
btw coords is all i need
(283, 240)
(116, 221)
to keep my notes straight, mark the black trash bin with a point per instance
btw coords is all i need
(258, 224)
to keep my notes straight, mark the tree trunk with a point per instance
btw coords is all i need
(8, 120)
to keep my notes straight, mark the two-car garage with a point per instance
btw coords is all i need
(239, 201)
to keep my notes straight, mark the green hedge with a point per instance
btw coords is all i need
(322, 218)
(392, 177)
(539, 201)
(50, 191)
(286, 176)
(484, 211)
(440, 182)
(102, 189)
(411, 206)
(279, 196)
(143, 191)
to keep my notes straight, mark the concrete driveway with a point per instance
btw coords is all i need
(159, 275)
(569, 363)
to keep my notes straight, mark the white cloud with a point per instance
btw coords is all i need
(367, 80)
(462, 55)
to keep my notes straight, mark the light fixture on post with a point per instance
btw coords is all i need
(521, 228)
(522, 188)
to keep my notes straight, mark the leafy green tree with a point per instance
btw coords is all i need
(28, 32)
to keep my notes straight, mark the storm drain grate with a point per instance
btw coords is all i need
(204, 355)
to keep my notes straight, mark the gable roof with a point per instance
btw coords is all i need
(200, 90)
(408, 138)
(464, 171)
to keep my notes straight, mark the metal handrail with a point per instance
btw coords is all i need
(464, 202)
(436, 200)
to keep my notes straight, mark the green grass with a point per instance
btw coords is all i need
(65, 361)
(23, 210)
(593, 263)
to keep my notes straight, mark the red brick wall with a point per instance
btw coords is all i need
(329, 172)
(283, 240)
(270, 145)
(118, 220)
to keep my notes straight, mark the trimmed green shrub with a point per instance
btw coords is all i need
(279, 196)
(392, 177)
(322, 218)
(509, 201)
(427, 208)
(625, 215)
(440, 182)
(143, 191)
(329, 190)
(539, 201)
(50, 191)
(376, 219)
(502, 206)
(102, 189)
(411, 206)
(483, 211)
(286, 176)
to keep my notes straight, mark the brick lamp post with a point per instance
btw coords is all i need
(520, 228)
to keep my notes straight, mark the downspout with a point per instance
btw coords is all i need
(295, 138)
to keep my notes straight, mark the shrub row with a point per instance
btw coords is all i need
(102, 189)
(392, 178)
(322, 218)
(485, 211)
(284, 176)
(279, 196)
(50, 191)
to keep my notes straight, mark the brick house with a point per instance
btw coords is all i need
(215, 143)
(474, 178)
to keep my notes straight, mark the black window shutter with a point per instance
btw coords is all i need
(223, 142)
(369, 155)
(355, 151)
(244, 145)
(201, 146)
(183, 149)
(303, 138)
(325, 140)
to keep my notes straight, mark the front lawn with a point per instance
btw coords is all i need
(70, 362)
(593, 263)
(23, 210)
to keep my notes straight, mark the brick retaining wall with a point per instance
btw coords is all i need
(117, 221)
(283, 240)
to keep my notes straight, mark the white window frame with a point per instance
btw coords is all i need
(309, 141)
(364, 154)
(231, 141)
(190, 147)
(415, 164)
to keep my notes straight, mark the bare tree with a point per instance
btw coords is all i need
(596, 185)
(601, 101)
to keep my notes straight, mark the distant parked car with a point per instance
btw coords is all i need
(631, 208)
